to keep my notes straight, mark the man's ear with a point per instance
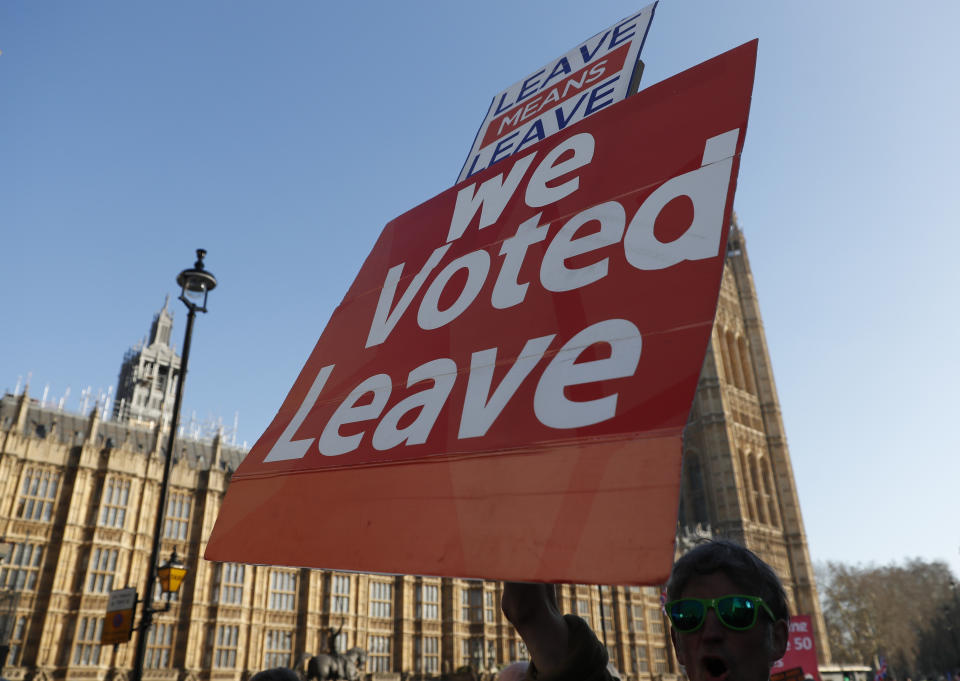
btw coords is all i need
(779, 635)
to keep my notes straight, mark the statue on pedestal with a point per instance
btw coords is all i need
(334, 666)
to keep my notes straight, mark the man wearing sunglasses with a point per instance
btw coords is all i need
(727, 608)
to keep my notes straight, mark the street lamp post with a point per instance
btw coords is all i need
(195, 283)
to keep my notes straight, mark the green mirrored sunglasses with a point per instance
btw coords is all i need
(737, 612)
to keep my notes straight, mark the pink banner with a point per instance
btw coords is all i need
(801, 649)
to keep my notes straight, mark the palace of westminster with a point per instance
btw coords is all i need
(78, 501)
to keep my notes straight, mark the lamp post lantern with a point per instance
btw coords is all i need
(195, 283)
(171, 574)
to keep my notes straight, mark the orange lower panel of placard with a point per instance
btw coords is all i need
(597, 512)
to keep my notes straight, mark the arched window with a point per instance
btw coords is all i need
(695, 489)
(747, 366)
(748, 488)
(734, 360)
(773, 507)
(759, 493)
(725, 355)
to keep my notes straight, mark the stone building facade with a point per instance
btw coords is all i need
(78, 497)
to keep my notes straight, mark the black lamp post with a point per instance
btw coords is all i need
(195, 283)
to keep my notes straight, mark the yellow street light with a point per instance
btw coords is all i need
(171, 574)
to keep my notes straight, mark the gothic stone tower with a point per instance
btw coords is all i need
(737, 476)
(148, 376)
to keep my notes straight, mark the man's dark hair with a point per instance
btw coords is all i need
(739, 564)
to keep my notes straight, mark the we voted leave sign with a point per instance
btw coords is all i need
(586, 79)
(502, 391)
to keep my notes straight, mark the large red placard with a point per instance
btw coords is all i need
(502, 391)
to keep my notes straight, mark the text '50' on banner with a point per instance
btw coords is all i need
(502, 391)
(588, 78)
(800, 659)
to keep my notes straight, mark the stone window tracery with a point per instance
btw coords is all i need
(428, 654)
(113, 507)
(21, 571)
(774, 511)
(277, 648)
(86, 649)
(748, 486)
(340, 594)
(38, 494)
(103, 566)
(378, 649)
(428, 601)
(159, 645)
(759, 494)
(283, 590)
(381, 599)
(227, 642)
(747, 365)
(177, 523)
(231, 583)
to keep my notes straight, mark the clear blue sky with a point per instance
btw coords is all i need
(281, 137)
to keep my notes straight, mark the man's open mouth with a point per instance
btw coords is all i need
(715, 667)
